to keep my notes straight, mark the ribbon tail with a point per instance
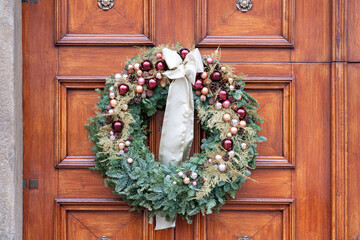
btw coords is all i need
(178, 125)
(177, 131)
(162, 223)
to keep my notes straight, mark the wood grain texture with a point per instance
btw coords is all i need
(255, 218)
(339, 151)
(94, 218)
(84, 23)
(278, 150)
(352, 165)
(311, 180)
(220, 23)
(76, 100)
(340, 29)
(39, 70)
(293, 197)
(312, 31)
(352, 15)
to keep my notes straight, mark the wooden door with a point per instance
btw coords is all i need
(284, 48)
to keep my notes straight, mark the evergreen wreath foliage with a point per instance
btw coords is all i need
(134, 173)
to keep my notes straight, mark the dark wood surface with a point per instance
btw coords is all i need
(295, 55)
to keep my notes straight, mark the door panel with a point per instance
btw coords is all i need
(353, 168)
(84, 23)
(257, 28)
(353, 18)
(290, 193)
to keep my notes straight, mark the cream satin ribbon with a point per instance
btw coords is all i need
(178, 126)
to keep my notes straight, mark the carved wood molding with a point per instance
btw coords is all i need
(286, 84)
(339, 131)
(65, 205)
(63, 83)
(284, 40)
(339, 176)
(339, 30)
(285, 206)
(64, 37)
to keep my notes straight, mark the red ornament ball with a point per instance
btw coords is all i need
(216, 76)
(227, 144)
(209, 60)
(183, 52)
(226, 104)
(198, 84)
(117, 126)
(223, 95)
(123, 89)
(146, 65)
(141, 81)
(151, 83)
(159, 55)
(160, 65)
(241, 113)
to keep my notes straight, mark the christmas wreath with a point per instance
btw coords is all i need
(173, 187)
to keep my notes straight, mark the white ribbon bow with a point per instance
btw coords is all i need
(178, 126)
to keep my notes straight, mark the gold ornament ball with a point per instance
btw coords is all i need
(233, 130)
(239, 98)
(226, 117)
(234, 122)
(127, 143)
(231, 81)
(204, 90)
(229, 135)
(203, 98)
(136, 66)
(139, 73)
(111, 95)
(111, 89)
(231, 153)
(243, 146)
(163, 83)
(222, 167)
(139, 89)
(234, 107)
(207, 81)
(125, 107)
(242, 123)
(204, 75)
(186, 180)
(130, 67)
(121, 145)
(113, 103)
(158, 75)
(218, 157)
(117, 76)
(231, 88)
(223, 69)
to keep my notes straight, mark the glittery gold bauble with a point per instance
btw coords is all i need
(207, 81)
(242, 123)
(204, 90)
(233, 130)
(113, 103)
(139, 89)
(121, 145)
(186, 180)
(226, 117)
